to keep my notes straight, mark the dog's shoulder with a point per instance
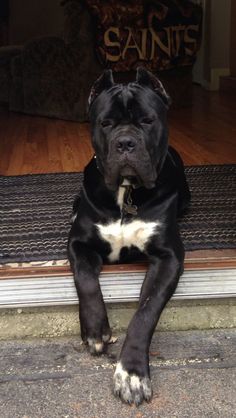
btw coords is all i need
(95, 203)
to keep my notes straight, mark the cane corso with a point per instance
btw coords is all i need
(134, 190)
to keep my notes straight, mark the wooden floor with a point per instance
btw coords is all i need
(203, 134)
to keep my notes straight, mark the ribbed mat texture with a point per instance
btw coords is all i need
(35, 213)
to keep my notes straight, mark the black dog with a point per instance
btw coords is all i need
(134, 189)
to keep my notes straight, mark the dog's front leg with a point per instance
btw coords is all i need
(132, 378)
(86, 265)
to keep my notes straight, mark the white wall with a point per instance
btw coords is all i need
(214, 58)
(220, 33)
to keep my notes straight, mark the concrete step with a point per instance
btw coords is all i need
(193, 375)
(60, 321)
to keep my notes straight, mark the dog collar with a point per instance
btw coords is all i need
(128, 208)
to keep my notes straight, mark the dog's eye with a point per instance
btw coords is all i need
(105, 123)
(147, 121)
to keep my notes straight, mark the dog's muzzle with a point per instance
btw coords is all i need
(128, 157)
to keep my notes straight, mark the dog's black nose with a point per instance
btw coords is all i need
(125, 144)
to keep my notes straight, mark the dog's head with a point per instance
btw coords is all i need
(129, 128)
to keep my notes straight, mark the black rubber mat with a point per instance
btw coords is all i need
(35, 213)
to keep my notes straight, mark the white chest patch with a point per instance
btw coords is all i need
(136, 233)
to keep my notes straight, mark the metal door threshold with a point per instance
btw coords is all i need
(116, 287)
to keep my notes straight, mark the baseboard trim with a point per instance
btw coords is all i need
(214, 82)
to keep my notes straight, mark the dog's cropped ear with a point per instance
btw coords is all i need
(104, 82)
(146, 78)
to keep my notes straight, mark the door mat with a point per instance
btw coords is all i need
(35, 213)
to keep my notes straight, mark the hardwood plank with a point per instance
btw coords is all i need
(54, 155)
(16, 156)
(203, 134)
(5, 145)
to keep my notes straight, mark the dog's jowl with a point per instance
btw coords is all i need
(134, 190)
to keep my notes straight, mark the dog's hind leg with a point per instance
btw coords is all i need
(86, 265)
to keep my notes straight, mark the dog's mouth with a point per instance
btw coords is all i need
(127, 171)
(129, 175)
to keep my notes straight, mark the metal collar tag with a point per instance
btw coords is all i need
(128, 207)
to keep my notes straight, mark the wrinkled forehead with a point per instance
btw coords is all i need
(128, 100)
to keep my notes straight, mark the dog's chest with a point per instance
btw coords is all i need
(136, 233)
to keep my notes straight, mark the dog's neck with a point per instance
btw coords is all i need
(124, 199)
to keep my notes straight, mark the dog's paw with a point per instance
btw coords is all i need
(130, 387)
(98, 346)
